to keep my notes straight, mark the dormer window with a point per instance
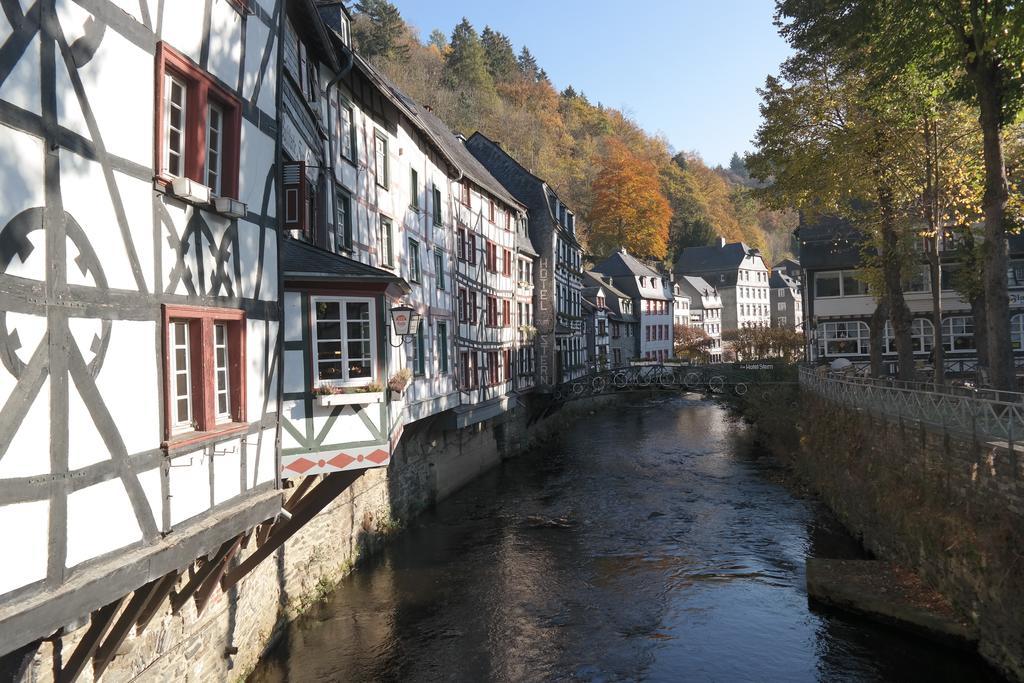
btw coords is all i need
(643, 281)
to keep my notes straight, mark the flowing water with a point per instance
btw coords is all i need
(649, 542)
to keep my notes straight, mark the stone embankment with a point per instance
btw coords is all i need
(225, 641)
(946, 505)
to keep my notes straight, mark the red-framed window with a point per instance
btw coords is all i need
(465, 198)
(198, 125)
(491, 257)
(471, 249)
(506, 312)
(468, 363)
(461, 247)
(493, 368)
(490, 210)
(506, 262)
(204, 370)
(492, 311)
(508, 365)
(508, 221)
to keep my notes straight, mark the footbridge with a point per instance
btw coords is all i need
(716, 378)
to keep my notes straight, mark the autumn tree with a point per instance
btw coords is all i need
(692, 343)
(629, 209)
(979, 45)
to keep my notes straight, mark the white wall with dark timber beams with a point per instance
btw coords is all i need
(92, 251)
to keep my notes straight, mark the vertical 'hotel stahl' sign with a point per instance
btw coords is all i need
(545, 321)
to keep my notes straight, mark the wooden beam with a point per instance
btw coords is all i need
(329, 488)
(98, 626)
(141, 600)
(298, 492)
(205, 591)
(263, 532)
(179, 599)
(165, 588)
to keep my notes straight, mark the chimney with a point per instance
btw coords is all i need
(721, 242)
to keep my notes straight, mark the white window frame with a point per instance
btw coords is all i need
(949, 335)
(862, 337)
(214, 149)
(169, 82)
(178, 426)
(1017, 331)
(219, 370)
(342, 302)
(923, 339)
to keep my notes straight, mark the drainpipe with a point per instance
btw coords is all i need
(279, 203)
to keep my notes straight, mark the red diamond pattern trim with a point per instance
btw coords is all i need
(378, 456)
(341, 460)
(301, 465)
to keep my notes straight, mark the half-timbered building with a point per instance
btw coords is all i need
(139, 317)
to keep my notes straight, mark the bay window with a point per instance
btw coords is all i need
(198, 125)
(204, 365)
(344, 334)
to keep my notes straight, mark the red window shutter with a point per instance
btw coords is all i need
(293, 181)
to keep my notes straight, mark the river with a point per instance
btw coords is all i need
(680, 556)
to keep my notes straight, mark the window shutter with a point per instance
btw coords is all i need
(293, 181)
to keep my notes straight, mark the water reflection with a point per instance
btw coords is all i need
(682, 560)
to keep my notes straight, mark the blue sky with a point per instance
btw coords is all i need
(684, 68)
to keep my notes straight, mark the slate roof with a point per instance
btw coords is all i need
(788, 264)
(439, 134)
(829, 242)
(622, 263)
(696, 286)
(780, 279)
(695, 260)
(301, 260)
(521, 182)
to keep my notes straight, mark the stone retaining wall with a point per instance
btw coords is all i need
(226, 641)
(948, 507)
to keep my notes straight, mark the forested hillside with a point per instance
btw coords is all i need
(629, 187)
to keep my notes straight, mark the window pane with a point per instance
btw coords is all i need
(328, 350)
(331, 370)
(357, 311)
(174, 150)
(826, 284)
(328, 331)
(182, 414)
(214, 146)
(328, 310)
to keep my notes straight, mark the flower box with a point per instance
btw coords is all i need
(365, 397)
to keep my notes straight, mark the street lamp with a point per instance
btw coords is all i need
(404, 322)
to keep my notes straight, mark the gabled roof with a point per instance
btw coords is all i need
(780, 279)
(622, 263)
(599, 281)
(301, 260)
(787, 263)
(696, 260)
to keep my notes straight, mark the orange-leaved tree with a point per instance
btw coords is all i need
(628, 208)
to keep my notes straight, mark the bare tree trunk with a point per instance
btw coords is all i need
(997, 300)
(980, 312)
(876, 329)
(899, 314)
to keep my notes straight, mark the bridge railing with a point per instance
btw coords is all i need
(997, 416)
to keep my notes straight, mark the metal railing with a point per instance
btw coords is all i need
(981, 414)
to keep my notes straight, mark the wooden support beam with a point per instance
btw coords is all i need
(98, 626)
(211, 582)
(329, 488)
(140, 602)
(150, 611)
(298, 492)
(179, 599)
(263, 532)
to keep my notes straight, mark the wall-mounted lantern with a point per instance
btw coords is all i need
(405, 321)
